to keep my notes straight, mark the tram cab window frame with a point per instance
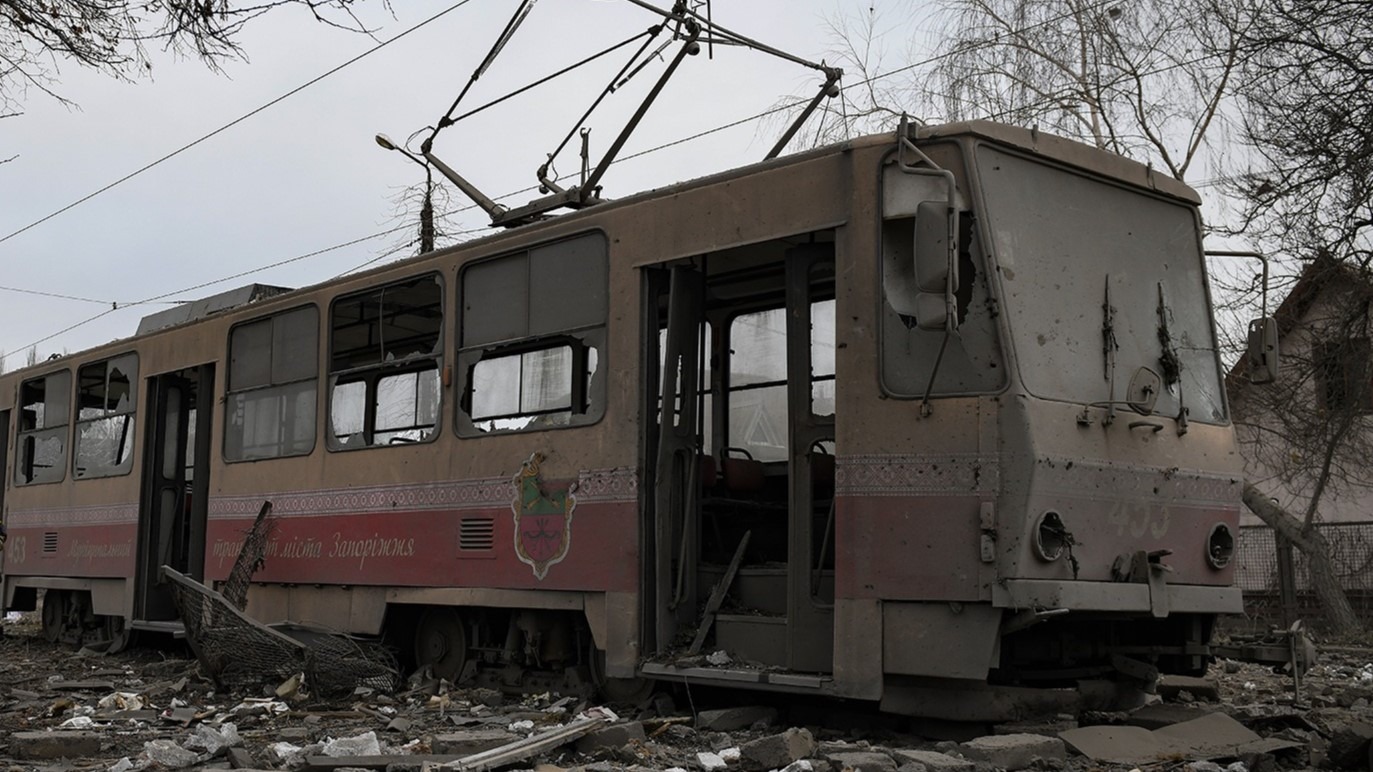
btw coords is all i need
(106, 417)
(386, 364)
(44, 429)
(273, 362)
(532, 339)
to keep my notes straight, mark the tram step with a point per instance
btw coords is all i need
(725, 676)
(753, 638)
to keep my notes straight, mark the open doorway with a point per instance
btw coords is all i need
(741, 448)
(172, 517)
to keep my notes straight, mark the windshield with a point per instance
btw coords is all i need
(1063, 242)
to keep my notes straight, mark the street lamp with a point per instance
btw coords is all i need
(427, 207)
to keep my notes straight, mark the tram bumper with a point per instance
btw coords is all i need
(1155, 598)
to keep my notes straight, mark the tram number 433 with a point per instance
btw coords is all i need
(1139, 518)
(16, 547)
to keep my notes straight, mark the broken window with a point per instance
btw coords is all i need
(533, 333)
(273, 371)
(105, 407)
(384, 362)
(758, 377)
(44, 412)
(1344, 380)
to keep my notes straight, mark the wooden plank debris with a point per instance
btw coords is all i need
(533, 745)
(717, 596)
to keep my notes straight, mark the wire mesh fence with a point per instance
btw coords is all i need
(1256, 573)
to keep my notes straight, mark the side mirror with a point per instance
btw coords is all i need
(1263, 350)
(936, 264)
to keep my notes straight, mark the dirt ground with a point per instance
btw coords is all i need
(152, 708)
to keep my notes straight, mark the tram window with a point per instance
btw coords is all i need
(533, 334)
(822, 358)
(758, 384)
(384, 360)
(106, 400)
(273, 370)
(758, 377)
(44, 412)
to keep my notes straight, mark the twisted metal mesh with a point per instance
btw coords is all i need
(243, 654)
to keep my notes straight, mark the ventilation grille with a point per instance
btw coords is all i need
(476, 533)
(49, 542)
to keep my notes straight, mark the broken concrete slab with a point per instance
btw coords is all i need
(54, 745)
(861, 761)
(1171, 686)
(1049, 727)
(932, 760)
(1212, 736)
(778, 750)
(470, 741)
(1162, 714)
(1013, 751)
(613, 736)
(730, 719)
(1349, 745)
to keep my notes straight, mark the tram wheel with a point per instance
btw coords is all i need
(627, 691)
(54, 614)
(116, 632)
(441, 642)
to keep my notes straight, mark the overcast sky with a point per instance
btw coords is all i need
(306, 174)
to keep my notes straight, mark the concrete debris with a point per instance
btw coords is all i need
(166, 753)
(1173, 687)
(730, 719)
(861, 761)
(130, 712)
(933, 761)
(1014, 751)
(779, 750)
(710, 762)
(54, 745)
(1212, 736)
(365, 744)
(613, 736)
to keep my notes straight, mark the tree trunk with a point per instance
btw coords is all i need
(1324, 582)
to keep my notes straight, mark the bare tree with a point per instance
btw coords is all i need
(114, 36)
(1307, 102)
(1148, 80)
(1307, 437)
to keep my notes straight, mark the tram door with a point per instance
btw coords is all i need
(171, 528)
(739, 374)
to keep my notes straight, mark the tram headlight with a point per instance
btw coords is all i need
(1051, 537)
(1220, 546)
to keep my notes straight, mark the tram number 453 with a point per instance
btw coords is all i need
(1139, 518)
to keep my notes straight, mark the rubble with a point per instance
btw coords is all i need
(154, 711)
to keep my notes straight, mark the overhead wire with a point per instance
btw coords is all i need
(115, 306)
(236, 121)
(663, 146)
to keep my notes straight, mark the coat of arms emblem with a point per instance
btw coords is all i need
(543, 521)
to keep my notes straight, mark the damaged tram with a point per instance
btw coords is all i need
(938, 414)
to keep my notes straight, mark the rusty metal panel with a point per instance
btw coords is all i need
(948, 640)
(621, 634)
(268, 603)
(481, 596)
(858, 655)
(593, 605)
(1055, 594)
